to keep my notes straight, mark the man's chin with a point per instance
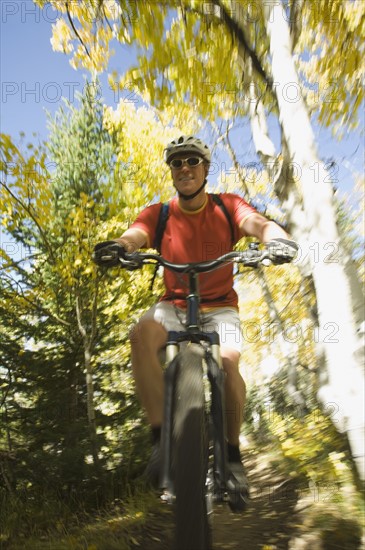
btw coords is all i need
(187, 189)
(186, 182)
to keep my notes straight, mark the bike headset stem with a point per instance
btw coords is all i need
(192, 303)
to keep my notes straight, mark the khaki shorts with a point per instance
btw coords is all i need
(224, 320)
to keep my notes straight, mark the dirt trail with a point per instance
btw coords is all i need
(268, 524)
(280, 517)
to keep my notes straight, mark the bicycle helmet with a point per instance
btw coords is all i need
(187, 144)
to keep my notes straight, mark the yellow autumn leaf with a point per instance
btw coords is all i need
(61, 37)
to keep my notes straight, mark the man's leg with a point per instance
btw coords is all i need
(235, 394)
(226, 322)
(147, 338)
(235, 402)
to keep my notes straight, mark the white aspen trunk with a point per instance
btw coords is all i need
(87, 341)
(344, 387)
(262, 142)
(277, 166)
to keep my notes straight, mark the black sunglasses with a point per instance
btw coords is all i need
(190, 161)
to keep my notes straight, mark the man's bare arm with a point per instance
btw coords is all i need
(263, 229)
(133, 239)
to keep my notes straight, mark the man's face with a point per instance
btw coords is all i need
(187, 179)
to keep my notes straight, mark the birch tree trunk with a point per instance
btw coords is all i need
(344, 385)
(88, 341)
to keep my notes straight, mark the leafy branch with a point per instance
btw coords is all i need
(28, 210)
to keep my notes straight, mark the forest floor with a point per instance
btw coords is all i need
(284, 514)
(269, 523)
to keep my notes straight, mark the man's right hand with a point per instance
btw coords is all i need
(107, 253)
(282, 251)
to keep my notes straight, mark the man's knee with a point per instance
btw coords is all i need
(230, 361)
(148, 333)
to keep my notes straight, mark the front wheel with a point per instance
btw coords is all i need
(190, 455)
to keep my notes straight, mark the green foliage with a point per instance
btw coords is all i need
(307, 449)
(82, 152)
(60, 324)
(47, 523)
(73, 434)
(309, 445)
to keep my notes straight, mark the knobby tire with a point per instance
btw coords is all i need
(190, 455)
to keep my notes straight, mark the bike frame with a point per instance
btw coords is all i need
(215, 374)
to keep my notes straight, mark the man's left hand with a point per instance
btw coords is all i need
(282, 251)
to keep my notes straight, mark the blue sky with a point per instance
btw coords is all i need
(34, 79)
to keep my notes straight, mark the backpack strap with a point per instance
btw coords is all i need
(217, 199)
(161, 225)
(160, 229)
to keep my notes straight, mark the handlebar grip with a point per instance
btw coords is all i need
(282, 251)
(108, 253)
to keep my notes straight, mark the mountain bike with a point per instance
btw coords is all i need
(193, 440)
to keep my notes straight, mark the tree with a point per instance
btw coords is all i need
(318, 205)
(55, 215)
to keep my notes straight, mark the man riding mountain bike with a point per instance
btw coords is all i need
(198, 228)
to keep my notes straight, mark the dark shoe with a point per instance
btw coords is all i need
(152, 471)
(238, 488)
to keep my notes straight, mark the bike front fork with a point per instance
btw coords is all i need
(218, 476)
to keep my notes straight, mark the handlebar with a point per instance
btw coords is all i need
(250, 257)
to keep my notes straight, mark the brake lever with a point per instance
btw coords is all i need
(106, 257)
(131, 261)
(250, 258)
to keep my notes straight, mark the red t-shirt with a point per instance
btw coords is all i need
(194, 237)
